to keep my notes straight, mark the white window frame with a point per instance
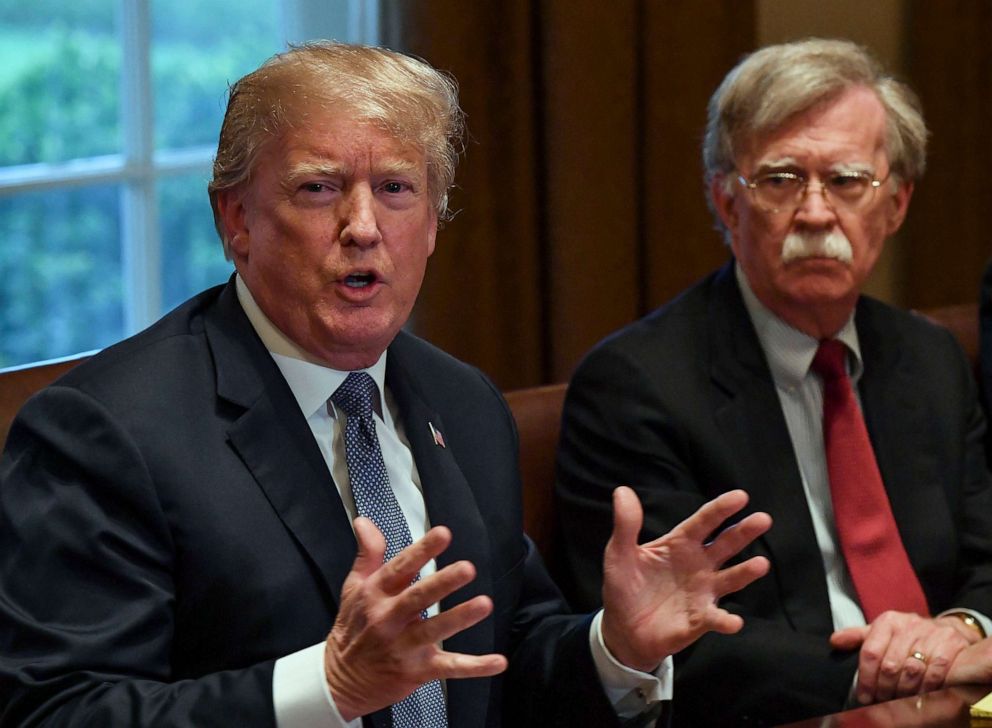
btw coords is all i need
(138, 168)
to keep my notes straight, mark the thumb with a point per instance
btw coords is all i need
(371, 547)
(628, 516)
(849, 638)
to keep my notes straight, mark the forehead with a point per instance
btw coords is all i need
(341, 141)
(848, 128)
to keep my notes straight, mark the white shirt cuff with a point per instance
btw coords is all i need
(631, 692)
(301, 695)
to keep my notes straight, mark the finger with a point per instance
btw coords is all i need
(910, 679)
(397, 574)
(456, 665)
(870, 659)
(739, 576)
(894, 663)
(452, 621)
(849, 638)
(941, 650)
(628, 516)
(711, 514)
(722, 621)
(733, 540)
(371, 547)
(421, 594)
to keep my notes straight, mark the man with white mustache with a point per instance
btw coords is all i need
(847, 420)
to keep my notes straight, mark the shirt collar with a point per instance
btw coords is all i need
(311, 382)
(788, 350)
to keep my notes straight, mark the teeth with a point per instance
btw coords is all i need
(358, 280)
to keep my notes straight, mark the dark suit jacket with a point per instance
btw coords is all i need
(985, 338)
(681, 406)
(168, 529)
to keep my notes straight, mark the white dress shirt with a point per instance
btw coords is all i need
(300, 692)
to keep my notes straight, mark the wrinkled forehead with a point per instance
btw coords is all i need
(850, 127)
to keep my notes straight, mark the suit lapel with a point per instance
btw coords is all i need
(749, 414)
(276, 445)
(450, 503)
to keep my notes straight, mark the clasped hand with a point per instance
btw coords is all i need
(903, 654)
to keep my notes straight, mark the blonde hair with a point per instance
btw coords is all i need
(403, 95)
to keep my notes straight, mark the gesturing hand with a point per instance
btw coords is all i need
(380, 650)
(661, 596)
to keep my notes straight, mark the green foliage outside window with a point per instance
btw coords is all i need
(61, 288)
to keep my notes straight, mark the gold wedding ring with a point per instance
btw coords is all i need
(917, 655)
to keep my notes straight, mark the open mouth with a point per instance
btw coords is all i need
(359, 280)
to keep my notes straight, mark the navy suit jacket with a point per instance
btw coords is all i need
(681, 405)
(168, 528)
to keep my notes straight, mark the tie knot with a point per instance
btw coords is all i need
(830, 359)
(355, 394)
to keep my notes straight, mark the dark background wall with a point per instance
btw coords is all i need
(582, 205)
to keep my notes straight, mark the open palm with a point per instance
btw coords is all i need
(661, 596)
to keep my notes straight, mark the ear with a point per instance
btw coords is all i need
(724, 202)
(898, 206)
(231, 212)
(432, 234)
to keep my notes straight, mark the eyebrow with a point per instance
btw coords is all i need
(335, 169)
(839, 168)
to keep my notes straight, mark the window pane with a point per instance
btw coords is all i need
(193, 63)
(192, 256)
(59, 70)
(60, 273)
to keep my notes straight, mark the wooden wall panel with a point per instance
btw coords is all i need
(482, 299)
(688, 48)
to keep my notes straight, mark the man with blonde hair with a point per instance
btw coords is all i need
(275, 507)
(855, 425)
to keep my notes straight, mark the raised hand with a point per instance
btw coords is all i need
(380, 650)
(661, 596)
(902, 653)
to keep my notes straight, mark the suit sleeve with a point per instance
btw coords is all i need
(621, 426)
(87, 598)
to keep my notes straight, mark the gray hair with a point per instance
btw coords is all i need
(772, 85)
(403, 95)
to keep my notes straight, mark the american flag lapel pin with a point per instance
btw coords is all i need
(436, 434)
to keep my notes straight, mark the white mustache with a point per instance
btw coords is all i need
(831, 244)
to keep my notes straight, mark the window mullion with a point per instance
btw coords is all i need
(140, 238)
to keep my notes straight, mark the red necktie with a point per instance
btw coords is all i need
(876, 558)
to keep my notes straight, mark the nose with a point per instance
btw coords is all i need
(361, 227)
(815, 208)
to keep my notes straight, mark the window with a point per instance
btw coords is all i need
(109, 113)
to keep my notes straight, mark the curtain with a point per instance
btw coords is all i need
(580, 195)
(947, 234)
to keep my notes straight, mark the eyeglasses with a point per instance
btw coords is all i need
(785, 191)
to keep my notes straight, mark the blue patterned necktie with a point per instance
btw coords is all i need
(374, 499)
